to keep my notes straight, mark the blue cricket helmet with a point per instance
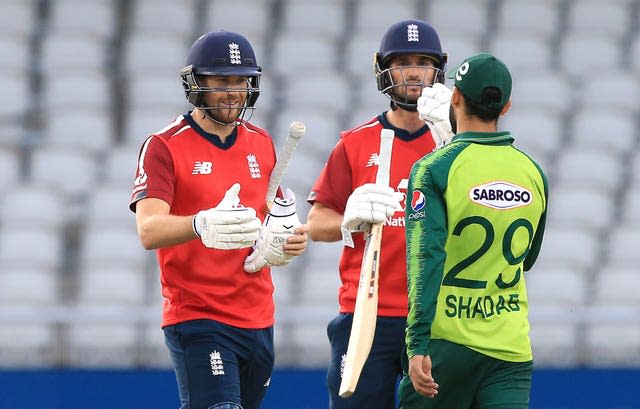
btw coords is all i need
(222, 53)
(407, 37)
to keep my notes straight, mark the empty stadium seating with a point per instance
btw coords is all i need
(89, 80)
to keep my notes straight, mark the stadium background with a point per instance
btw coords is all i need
(84, 81)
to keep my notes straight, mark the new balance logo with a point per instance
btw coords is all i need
(374, 160)
(202, 168)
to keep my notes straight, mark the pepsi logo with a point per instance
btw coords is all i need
(418, 201)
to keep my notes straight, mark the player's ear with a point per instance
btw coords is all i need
(506, 107)
(456, 97)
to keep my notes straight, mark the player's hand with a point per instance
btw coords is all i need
(420, 375)
(278, 229)
(369, 203)
(433, 108)
(229, 225)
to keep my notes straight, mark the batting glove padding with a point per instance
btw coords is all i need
(229, 225)
(433, 108)
(278, 226)
(369, 203)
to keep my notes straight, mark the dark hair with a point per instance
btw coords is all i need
(482, 110)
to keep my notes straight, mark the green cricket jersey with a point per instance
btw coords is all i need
(475, 217)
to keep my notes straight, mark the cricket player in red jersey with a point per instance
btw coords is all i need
(346, 196)
(199, 195)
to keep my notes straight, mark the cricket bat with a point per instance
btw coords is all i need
(296, 132)
(363, 327)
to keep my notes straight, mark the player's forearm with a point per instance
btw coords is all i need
(158, 231)
(324, 223)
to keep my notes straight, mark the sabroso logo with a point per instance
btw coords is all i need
(500, 195)
(418, 201)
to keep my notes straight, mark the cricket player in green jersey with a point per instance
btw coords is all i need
(475, 217)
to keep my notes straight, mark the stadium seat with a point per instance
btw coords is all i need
(613, 344)
(101, 286)
(12, 109)
(535, 18)
(116, 247)
(322, 131)
(537, 132)
(10, 170)
(631, 209)
(459, 46)
(67, 92)
(28, 204)
(28, 345)
(14, 53)
(153, 53)
(301, 16)
(374, 17)
(474, 21)
(31, 246)
(509, 48)
(120, 166)
(562, 287)
(612, 130)
(330, 92)
(595, 17)
(80, 17)
(60, 51)
(91, 132)
(294, 54)
(71, 172)
(251, 18)
(589, 168)
(104, 345)
(108, 206)
(25, 286)
(577, 53)
(176, 17)
(618, 91)
(572, 206)
(361, 48)
(568, 247)
(159, 91)
(17, 18)
(553, 344)
(543, 90)
(623, 247)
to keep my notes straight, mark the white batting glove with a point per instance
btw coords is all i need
(433, 108)
(277, 227)
(369, 203)
(229, 225)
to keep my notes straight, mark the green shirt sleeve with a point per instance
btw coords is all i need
(426, 232)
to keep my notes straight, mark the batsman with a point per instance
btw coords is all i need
(199, 191)
(346, 197)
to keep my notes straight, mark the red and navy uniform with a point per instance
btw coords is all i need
(353, 162)
(191, 170)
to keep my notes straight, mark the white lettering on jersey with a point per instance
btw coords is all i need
(500, 195)
(202, 168)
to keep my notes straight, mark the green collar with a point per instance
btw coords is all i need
(485, 138)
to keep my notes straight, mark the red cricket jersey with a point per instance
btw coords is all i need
(191, 170)
(352, 163)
